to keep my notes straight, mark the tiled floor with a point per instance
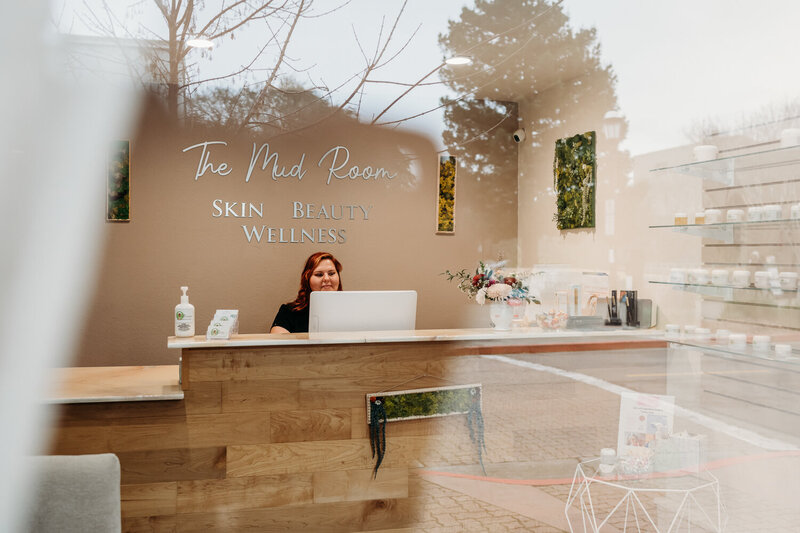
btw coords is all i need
(542, 418)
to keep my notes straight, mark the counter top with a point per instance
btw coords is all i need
(533, 335)
(115, 384)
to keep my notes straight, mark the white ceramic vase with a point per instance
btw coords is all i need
(501, 315)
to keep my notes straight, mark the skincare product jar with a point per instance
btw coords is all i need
(677, 275)
(783, 351)
(771, 212)
(672, 331)
(689, 330)
(700, 217)
(734, 215)
(719, 276)
(681, 219)
(755, 213)
(740, 278)
(705, 152)
(702, 334)
(788, 281)
(737, 339)
(712, 216)
(722, 336)
(761, 279)
(794, 212)
(761, 343)
(698, 276)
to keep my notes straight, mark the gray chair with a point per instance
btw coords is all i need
(76, 493)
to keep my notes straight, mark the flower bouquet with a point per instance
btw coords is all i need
(492, 285)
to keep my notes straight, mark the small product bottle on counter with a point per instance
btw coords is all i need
(184, 316)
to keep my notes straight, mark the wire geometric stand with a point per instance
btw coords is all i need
(606, 500)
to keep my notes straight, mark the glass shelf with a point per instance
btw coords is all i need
(769, 224)
(747, 351)
(724, 169)
(723, 231)
(725, 291)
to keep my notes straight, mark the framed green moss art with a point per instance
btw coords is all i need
(383, 407)
(574, 180)
(446, 206)
(118, 186)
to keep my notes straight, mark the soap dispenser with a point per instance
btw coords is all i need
(184, 316)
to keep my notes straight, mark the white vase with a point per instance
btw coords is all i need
(501, 315)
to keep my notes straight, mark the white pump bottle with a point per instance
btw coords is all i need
(184, 316)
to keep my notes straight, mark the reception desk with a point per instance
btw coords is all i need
(271, 433)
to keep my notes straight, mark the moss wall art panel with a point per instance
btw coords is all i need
(575, 181)
(446, 205)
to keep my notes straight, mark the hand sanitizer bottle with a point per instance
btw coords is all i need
(184, 316)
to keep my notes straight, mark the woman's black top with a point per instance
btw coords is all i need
(290, 320)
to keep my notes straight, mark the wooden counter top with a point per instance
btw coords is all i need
(116, 384)
(528, 335)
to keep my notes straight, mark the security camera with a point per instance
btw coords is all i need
(519, 135)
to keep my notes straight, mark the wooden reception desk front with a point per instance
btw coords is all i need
(271, 433)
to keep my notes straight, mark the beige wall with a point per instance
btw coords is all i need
(629, 198)
(174, 240)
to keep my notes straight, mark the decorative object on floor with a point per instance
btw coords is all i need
(446, 206)
(574, 178)
(118, 203)
(395, 406)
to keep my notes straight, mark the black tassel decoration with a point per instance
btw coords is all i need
(475, 425)
(377, 431)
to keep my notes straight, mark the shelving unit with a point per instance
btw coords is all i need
(750, 384)
(746, 352)
(725, 231)
(725, 169)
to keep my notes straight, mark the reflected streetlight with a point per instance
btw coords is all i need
(612, 124)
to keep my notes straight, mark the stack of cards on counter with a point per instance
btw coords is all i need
(224, 324)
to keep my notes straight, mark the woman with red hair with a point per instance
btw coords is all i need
(321, 273)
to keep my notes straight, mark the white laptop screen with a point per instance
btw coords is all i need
(362, 310)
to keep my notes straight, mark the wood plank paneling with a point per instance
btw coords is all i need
(319, 518)
(260, 395)
(182, 464)
(194, 431)
(322, 424)
(149, 499)
(357, 485)
(150, 524)
(354, 454)
(257, 492)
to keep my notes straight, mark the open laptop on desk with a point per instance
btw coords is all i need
(362, 311)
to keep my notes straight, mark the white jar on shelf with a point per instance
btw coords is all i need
(698, 276)
(702, 334)
(734, 215)
(761, 343)
(761, 279)
(755, 213)
(788, 280)
(794, 212)
(737, 339)
(719, 276)
(771, 212)
(740, 278)
(677, 275)
(713, 216)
